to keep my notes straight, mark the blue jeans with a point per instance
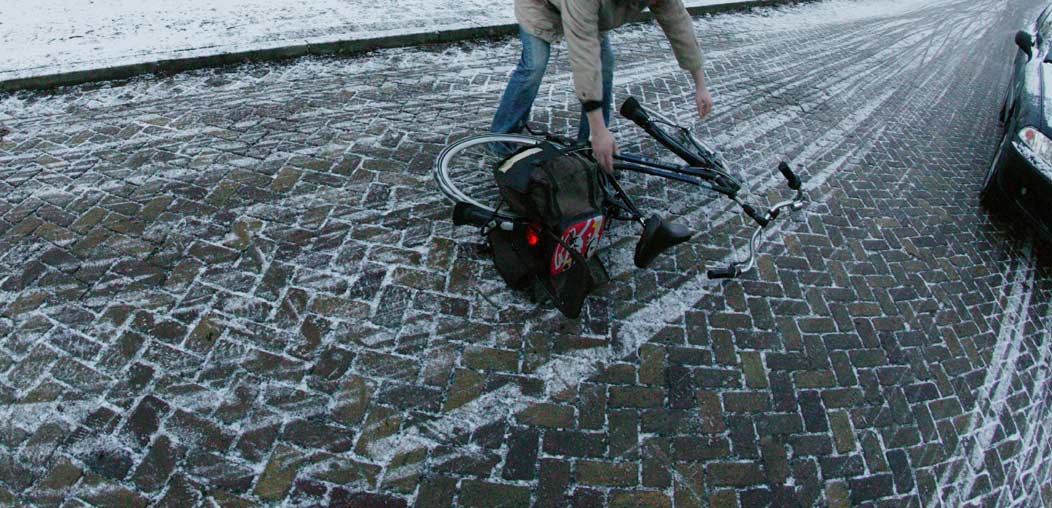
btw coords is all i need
(515, 105)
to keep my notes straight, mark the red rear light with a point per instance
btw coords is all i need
(532, 238)
(1029, 134)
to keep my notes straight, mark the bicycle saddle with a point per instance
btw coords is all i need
(658, 236)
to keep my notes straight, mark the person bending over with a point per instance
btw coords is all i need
(586, 24)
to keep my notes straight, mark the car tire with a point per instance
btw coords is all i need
(990, 195)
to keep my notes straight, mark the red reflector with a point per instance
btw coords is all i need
(532, 238)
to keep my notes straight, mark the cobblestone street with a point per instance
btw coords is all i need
(241, 287)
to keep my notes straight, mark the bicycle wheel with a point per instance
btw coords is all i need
(464, 169)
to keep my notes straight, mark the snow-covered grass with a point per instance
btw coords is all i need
(52, 36)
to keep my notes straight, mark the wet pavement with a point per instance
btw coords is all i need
(240, 287)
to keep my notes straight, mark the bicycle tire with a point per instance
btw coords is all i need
(464, 169)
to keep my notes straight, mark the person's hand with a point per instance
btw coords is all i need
(604, 148)
(704, 100)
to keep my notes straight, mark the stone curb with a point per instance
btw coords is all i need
(342, 47)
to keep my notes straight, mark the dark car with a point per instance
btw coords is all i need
(1021, 172)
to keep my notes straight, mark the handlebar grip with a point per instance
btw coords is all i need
(465, 213)
(787, 172)
(631, 110)
(724, 273)
(755, 215)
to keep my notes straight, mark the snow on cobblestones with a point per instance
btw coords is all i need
(316, 304)
(52, 36)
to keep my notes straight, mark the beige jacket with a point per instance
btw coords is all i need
(582, 21)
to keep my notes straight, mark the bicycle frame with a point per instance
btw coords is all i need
(704, 168)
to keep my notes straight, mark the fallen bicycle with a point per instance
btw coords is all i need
(543, 204)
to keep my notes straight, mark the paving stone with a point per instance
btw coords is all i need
(870, 488)
(872, 450)
(639, 499)
(746, 402)
(436, 492)
(575, 444)
(710, 412)
(277, 477)
(146, 418)
(607, 474)
(813, 411)
(491, 359)
(682, 387)
(381, 423)
(345, 499)
(157, 465)
(775, 461)
(553, 483)
(490, 436)
(732, 474)
(656, 452)
(901, 472)
(478, 494)
(634, 396)
(111, 464)
(548, 415)
(466, 464)
(837, 495)
(586, 498)
(223, 472)
(344, 471)
(351, 401)
(194, 430)
(61, 476)
(843, 435)
(316, 433)
(623, 435)
(724, 499)
(109, 496)
(523, 445)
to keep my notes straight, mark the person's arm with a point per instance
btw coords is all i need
(702, 97)
(603, 145)
(676, 22)
(580, 20)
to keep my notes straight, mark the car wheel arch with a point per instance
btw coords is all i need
(990, 194)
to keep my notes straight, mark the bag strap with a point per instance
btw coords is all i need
(582, 264)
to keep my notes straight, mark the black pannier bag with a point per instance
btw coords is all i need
(559, 192)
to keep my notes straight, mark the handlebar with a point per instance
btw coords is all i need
(724, 273)
(787, 172)
(632, 110)
(468, 214)
(798, 202)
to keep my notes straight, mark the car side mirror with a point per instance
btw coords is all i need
(1025, 41)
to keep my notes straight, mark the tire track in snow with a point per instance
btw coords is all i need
(1033, 462)
(992, 399)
